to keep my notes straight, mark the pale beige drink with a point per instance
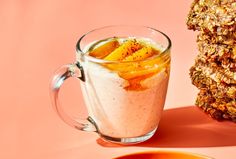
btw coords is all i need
(125, 104)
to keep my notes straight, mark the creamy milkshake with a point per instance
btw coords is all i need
(125, 98)
(124, 73)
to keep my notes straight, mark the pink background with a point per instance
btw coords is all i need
(36, 37)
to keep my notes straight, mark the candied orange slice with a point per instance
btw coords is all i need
(141, 54)
(135, 69)
(105, 49)
(137, 73)
(160, 60)
(122, 67)
(126, 49)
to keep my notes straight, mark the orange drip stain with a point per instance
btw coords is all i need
(135, 83)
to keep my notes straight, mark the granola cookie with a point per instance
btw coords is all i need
(218, 55)
(214, 16)
(204, 82)
(218, 108)
(218, 74)
(210, 38)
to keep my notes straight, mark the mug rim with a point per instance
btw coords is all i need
(97, 60)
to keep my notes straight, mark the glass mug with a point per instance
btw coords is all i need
(117, 114)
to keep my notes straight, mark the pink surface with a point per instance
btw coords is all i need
(39, 36)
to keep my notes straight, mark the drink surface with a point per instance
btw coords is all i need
(135, 59)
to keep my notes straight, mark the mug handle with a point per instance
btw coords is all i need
(63, 73)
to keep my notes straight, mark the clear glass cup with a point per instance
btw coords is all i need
(118, 114)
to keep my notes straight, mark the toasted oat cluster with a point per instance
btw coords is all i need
(214, 71)
(218, 55)
(218, 108)
(214, 16)
(228, 39)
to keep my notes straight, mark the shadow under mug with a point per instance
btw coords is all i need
(115, 113)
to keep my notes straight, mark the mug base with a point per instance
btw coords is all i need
(129, 140)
